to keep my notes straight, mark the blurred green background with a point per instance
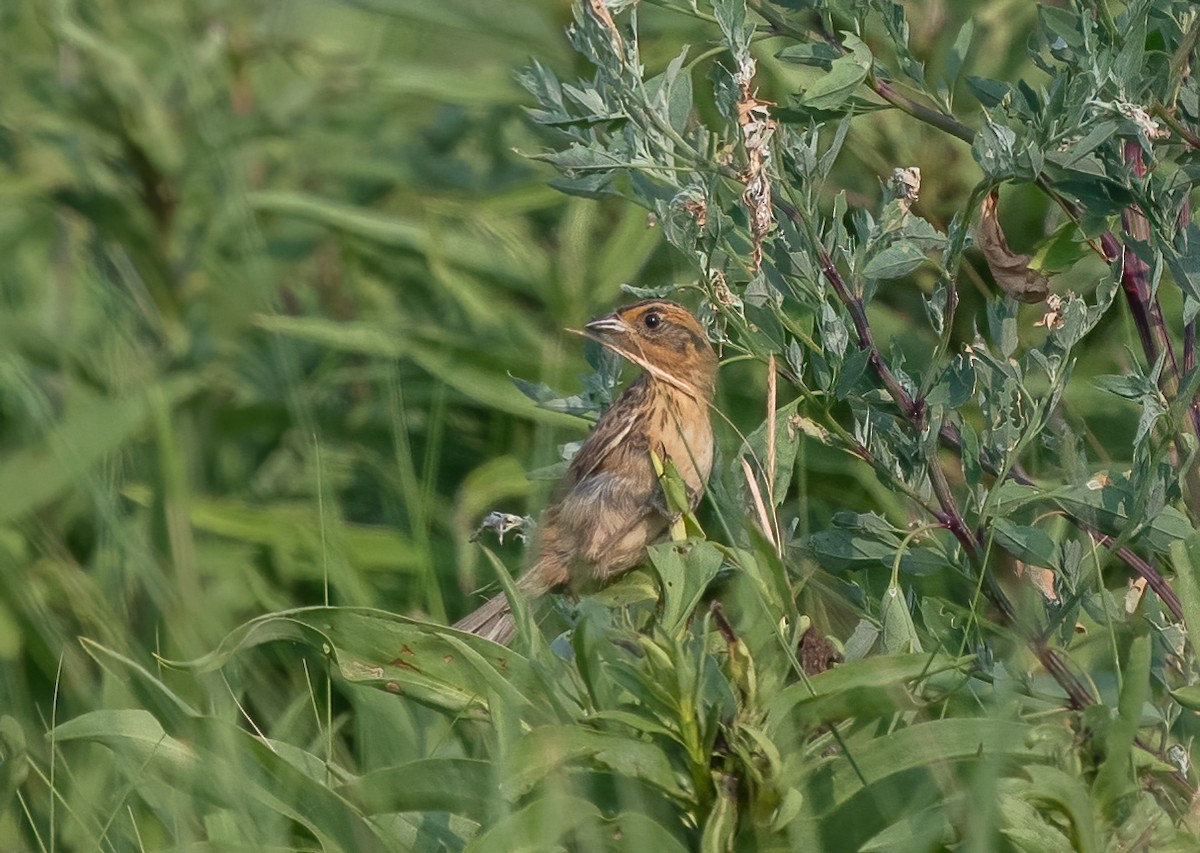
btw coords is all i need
(267, 270)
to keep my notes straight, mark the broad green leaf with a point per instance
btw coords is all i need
(834, 781)
(1185, 559)
(1024, 824)
(1184, 260)
(548, 822)
(1188, 697)
(1106, 502)
(14, 764)
(818, 53)
(845, 75)
(1065, 793)
(1112, 506)
(685, 570)
(990, 93)
(958, 55)
(895, 261)
(547, 748)
(151, 692)
(1117, 784)
(462, 786)
(1061, 24)
(430, 663)
(865, 688)
(928, 828)
(290, 781)
(1061, 250)
(899, 633)
(132, 732)
(719, 831)
(787, 443)
(1029, 544)
(848, 550)
(994, 149)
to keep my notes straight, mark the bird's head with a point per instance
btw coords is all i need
(665, 340)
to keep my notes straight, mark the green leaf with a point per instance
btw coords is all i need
(899, 632)
(845, 75)
(787, 445)
(679, 92)
(958, 53)
(1061, 250)
(922, 829)
(551, 820)
(92, 429)
(851, 550)
(462, 786)
(858, 688)
(720, 829)
(895, 261)
(819, 53)
(1117, 784)
(1061, 24)
(459, 248)
(831, 784)
(1066, 793)
(430, 663)
(1129, 386)
(685, 570)
(994, 150)
(216, 752)
(14, 759)
(1113, 507)
(135, 733)
(150, 690)
(731, 18)
(990, 93)
(1184, 260)
(289, 530)
(1029, 544)
(1185, 559)
(1102, 132)
(1188, 697)
(463, 372)
(547, 748)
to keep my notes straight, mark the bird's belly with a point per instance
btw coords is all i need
(688, 441)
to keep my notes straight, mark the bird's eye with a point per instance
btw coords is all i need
(652, 320)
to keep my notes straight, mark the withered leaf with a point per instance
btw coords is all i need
(817, 653)
(1011, 271)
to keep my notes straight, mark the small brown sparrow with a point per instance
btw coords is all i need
(610, 505)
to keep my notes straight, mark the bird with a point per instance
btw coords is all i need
(610, 505)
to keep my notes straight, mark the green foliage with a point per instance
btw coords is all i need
(268, 277)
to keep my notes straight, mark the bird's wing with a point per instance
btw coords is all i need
(604, 524)
(618, 429)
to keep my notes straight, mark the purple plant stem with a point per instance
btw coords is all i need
(950, 516)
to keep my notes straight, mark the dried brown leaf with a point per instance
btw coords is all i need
(905, 185)
(817, 653)
(1011, 270)
(1041, 578)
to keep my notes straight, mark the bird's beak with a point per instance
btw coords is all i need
(610, 325)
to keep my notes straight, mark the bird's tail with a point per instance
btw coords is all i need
(492, 621)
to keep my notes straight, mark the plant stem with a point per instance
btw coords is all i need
(949, 515)
(928, 115)
(911, 408)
